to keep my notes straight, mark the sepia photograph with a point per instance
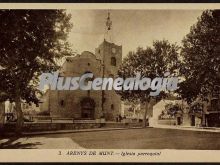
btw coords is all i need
(110, 79)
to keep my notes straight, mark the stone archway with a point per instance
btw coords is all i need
(87, 108)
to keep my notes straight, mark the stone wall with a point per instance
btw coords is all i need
(112, 104)
(37, 127)
(167, 122)
(33, 127)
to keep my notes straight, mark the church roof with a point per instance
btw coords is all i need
(87, 54)
(84, 54)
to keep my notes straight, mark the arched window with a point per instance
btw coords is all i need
(62, 103)
(87, 71)
(113, 61)
(89, 79)
(112, 107)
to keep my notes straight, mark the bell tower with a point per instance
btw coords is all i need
(109, 52)
(111, 59)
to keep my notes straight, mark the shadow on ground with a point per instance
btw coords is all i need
(13, 143)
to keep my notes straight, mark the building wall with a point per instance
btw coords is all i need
(211, 118)
(2, 114)
(132, 110)
(44, 105)
(106, 51)
(66, 103)
(160, 106)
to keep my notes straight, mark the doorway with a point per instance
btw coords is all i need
(193, 120)
(87, 108)
(179, 121)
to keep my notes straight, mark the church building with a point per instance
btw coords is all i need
(89, 104)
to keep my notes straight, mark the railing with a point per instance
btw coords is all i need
(49, 119)
(213, 112)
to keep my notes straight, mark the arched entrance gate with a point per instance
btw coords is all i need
(87, 108)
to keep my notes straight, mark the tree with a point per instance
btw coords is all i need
(174, 109)
(197, 109)
(150, 62)
(201, 58)
(32, 42)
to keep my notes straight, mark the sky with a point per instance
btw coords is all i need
(130, 28)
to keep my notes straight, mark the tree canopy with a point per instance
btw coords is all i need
(32, 42)
(150, 62)
(201, 57)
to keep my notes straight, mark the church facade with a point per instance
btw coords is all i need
(90, 104)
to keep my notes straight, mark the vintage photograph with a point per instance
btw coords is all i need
(110, 79)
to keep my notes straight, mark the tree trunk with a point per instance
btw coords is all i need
(203, 119)
(19, 113)
(145, 114)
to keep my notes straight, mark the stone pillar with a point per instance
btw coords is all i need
(204, 112)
